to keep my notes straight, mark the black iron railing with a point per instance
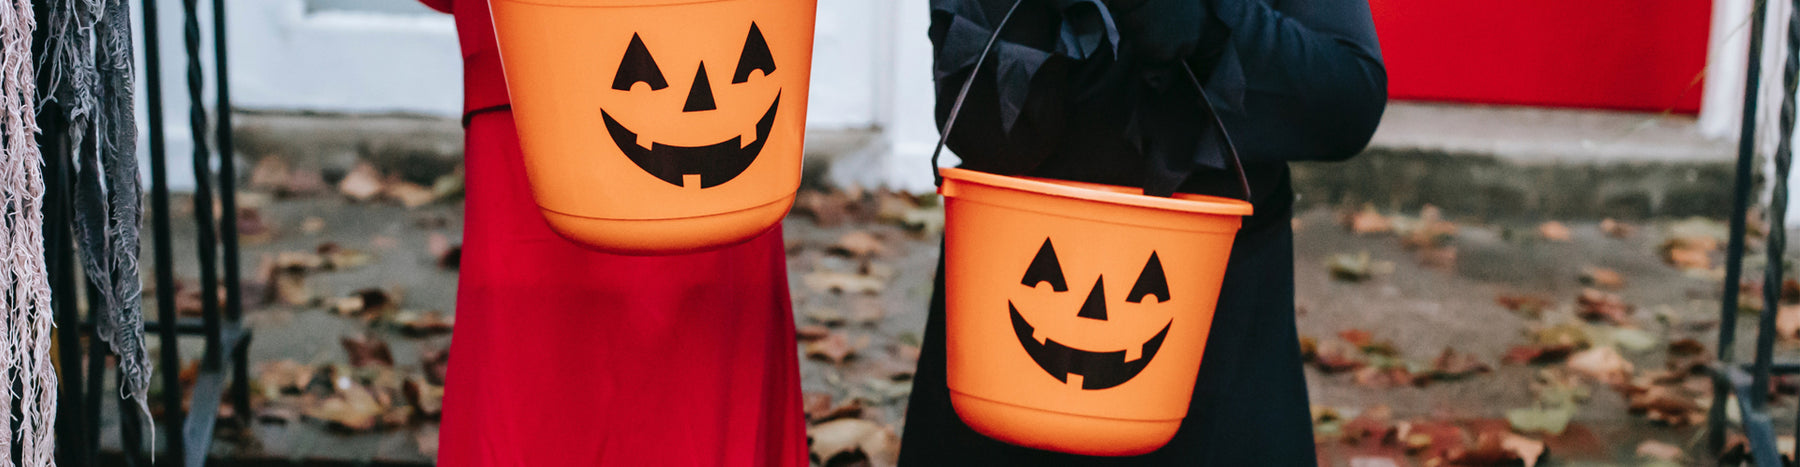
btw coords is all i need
(1751, 383)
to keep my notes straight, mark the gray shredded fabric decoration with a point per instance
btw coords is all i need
(24, 284)
(90, 73)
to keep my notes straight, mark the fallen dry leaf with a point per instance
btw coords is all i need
(815, 404)
(1689, 253)
(362, 184)
(1603, 364)
(1669, 405)
(841, 441)
(427, 399)
(1603, 278)
(1430, 232)
(366, 350)
(811, 332)
(826, 209)
(1452, 365)
(251, 228)
(423, 323)
(1368, 221)
(1336, 357)
(1787, 321)
(1529, 305)
(834, 348)
(352, 409)
(1556, 232)
(1351, 268)
(1499, 447)
(312, 225)
(408, 194)
(858, 244)
(1594, 305)
(1686, 348)
(843, 282)
(1658, 450)
(336, 257)
(1374, 423)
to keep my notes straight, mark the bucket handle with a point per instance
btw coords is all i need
(963, 94)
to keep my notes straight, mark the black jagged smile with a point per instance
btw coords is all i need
(714, 163)
(1098, 370)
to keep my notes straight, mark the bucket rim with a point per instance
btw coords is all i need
(1098, 192)
(609, 3)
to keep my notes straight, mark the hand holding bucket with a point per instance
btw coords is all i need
(1077, 313)
(659, 126)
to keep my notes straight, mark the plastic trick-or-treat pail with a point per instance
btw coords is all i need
(1077, 313)
(659, 126)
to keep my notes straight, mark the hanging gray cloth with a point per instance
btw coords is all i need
(90, 70)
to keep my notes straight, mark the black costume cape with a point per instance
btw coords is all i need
(1063, 97)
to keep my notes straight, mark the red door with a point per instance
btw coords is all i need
(1611, 54)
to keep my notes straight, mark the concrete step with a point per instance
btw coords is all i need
(1510, 162)
(1490, 161)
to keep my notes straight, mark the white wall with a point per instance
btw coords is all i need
(344, 56)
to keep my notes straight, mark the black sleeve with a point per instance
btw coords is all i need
(1311, 85)
(1014, 113)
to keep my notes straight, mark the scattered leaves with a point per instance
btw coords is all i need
(362, 184)
(1556, 232)
(1603, 278)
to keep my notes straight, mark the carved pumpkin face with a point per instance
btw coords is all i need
(1092, 365)
(657, 150)
(659, 110)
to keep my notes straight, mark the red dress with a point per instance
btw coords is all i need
(568, 357)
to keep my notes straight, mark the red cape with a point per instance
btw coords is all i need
(568, 357)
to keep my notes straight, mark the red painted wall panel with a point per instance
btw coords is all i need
(1611, 54)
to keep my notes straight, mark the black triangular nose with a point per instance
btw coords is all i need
(1095, 307)
(700, 97)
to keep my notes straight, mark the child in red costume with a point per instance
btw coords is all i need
(569, 357)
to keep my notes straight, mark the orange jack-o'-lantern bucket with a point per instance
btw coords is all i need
(659, 126)
(1077, 313)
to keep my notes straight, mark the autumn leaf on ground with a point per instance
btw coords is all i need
(1430, 439)
(843, 282)
(1356, 268)
(1787, 321)
(312, 225)
(423, 323)
(1429, 232)
(826, 209)
(1669, 405)
(371, 302)
(336, 257)
(352, 409)
(1603, 278)
(1529, 305)
(270, 174)
(1382, 376)
(1368, 221)
(408, 194)
(858, 244)
(815, 404)
(811, 332)
(366, 349)
(1617, 229)
(1499, 447)
(1556, 232)
(362, 184)
(1603, 364)
(844, 441)
(834, 348)
(1693, 253)
(1452, 365)
(1375, 423)
(427, 399)
(1594, 305)
(1686, 347)
(282, 377)
(436, 363)
(1336, 357)
(1658, 450)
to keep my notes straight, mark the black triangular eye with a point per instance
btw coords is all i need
(638, 67)
(1045, 268)
(756, 57)
(1150, 282)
